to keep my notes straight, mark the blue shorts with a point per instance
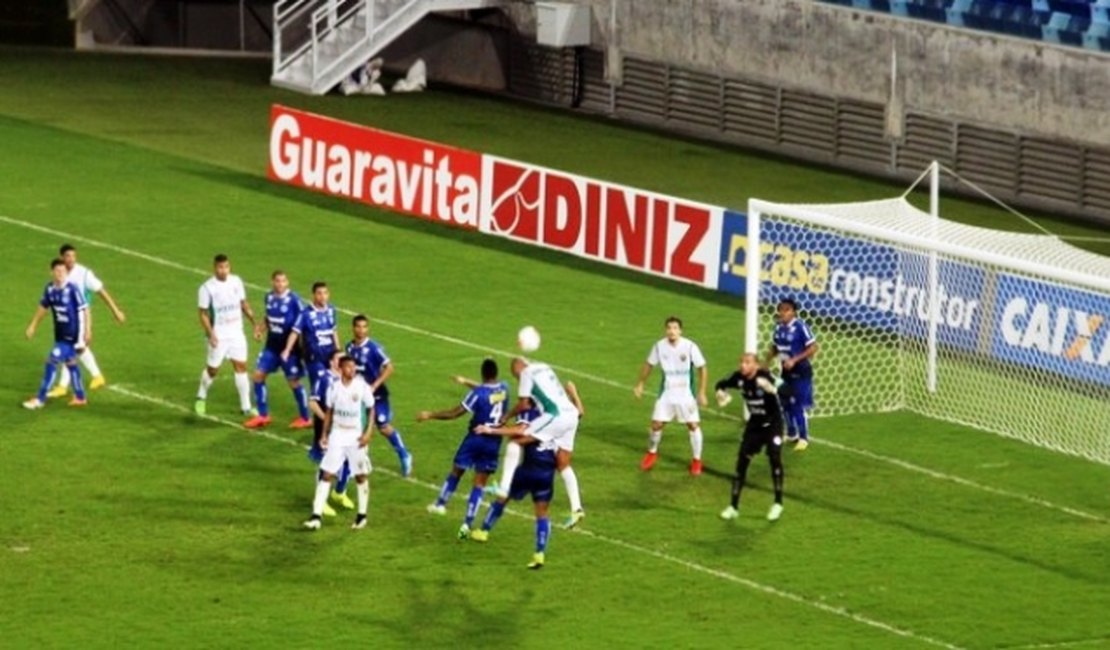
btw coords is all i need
(478, 454)
(797, 392)
(539, 482)
(269, 361)
(383, 414)
(62, 352)
(314, 370)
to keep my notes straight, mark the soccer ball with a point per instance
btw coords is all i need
(528, 338)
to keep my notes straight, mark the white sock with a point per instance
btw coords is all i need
(321, 498)
(205, 384)
(363, 496)
(63, 377)
(571, 481)
(512, 461)
(695, 443)
(89, 360)
(243, 385)
(653, 440)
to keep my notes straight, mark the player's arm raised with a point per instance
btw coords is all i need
(446, 414)
(464, 381)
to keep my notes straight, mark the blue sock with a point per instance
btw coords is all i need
(302, 401)
(261, 397)
(801, 422)
(543, 531)
(75, 381)
(47, 379)
(472, 504)
(493, 515)
(449, 487)
(398, 444)
(344, 478)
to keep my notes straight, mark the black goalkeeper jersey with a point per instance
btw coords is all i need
(763, 404)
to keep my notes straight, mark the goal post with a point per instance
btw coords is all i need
(1004, 332)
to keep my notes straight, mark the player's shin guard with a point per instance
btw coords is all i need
(321, 498)
(511, 462)
(543, 531)
(495, 512)
(398, 444)
(75, 381)
(742, 463)
(654, 437)
(696, 441)
(363, 496)
(47, 379)
(450, 484)
(205, 384)
(778, 474)
(343, 479)
(243, 385)
(472, 504)
(88, 359)
(571, 481)
(262, 398)
(301, 397)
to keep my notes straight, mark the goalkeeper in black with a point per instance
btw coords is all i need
(764, 429)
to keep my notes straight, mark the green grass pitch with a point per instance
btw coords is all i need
(132, 523)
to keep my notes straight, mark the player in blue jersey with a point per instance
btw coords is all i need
(376, 368)
(318, 404)
(794, 345)
(486, 405)
(283, 310)
(67, 305)
(89, 285)
(535, 476)
(317, 330)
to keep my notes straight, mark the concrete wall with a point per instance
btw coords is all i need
(961, 75)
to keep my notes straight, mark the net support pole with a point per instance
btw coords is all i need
(934, 276)
(752, 266)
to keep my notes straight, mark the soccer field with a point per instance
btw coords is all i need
(132, 522)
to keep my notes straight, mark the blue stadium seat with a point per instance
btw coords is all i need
(1096, 36)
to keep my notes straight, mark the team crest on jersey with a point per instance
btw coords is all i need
(682, 358)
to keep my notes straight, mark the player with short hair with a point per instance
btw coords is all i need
(679, 395)
(535, 476)
(347, 428)
(222, 304)
(559, 410)
(764, 429)
(794, 344)
(283, 310)
(67, 305)
(317, 330)
(318, 404)
(88, 284)
(486, 405)
(376, 368)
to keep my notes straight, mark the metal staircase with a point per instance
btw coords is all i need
(317, 43)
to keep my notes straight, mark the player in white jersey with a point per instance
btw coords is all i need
(347, 428)
(555, 426)
(88, 284)
(222, 303)
(677, 357)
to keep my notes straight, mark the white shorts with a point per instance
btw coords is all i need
(681, 407)
(231, 346)
(556, 432)
(345, 448)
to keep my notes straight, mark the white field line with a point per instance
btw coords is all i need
(1062, 644)
(1025, 498)
(643, 550)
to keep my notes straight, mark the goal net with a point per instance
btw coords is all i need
(1005, 332)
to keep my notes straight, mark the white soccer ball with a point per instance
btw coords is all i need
(528, 338)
